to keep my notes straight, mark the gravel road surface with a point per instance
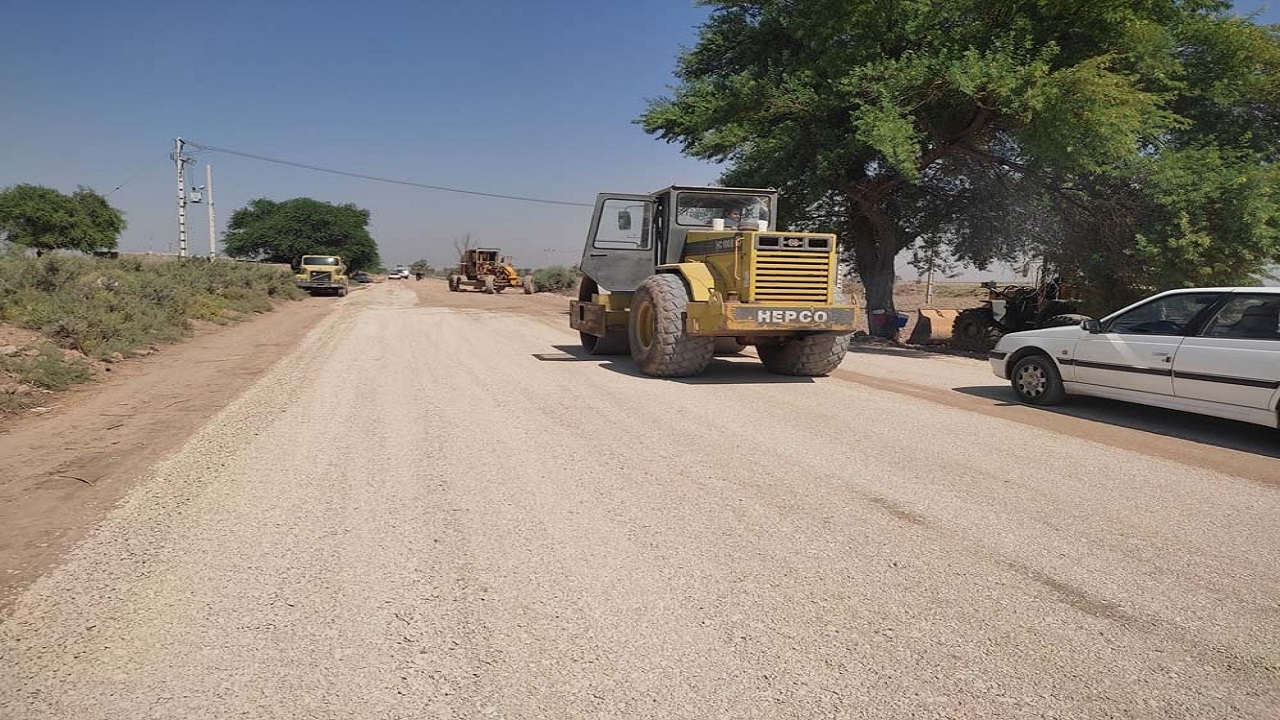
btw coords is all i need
(442, 512)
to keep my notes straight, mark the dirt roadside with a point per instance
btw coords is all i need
(63, 471)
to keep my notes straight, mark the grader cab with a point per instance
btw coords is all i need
(485, 269)
(676, 276)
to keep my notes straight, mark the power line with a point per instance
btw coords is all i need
(375, 178)
(129, 179)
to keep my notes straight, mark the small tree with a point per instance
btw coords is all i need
(420, 267)
(42, 219)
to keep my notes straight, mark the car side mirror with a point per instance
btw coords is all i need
(624, 220)
(1091, 326)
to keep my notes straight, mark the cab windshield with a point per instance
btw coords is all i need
(695, 209)
(317, 260)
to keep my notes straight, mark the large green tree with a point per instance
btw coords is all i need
(43, 219)
(284, 231)
(1200, 207)
(889, 121)
(1203, 206)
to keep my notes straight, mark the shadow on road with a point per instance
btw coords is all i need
(1229, 434)
(722, 371)
(913, 351)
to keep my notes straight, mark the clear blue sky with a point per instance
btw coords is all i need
(506, 96)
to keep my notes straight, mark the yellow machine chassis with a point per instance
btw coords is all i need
(776, 291)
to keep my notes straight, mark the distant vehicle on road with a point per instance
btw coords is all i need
(1213, 351)
(400, 272)
(487, 270)
(361, 277)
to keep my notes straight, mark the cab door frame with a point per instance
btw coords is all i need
(619, 258)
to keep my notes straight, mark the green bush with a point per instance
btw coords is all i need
(47, 369)
(556, 278)
(102, 306)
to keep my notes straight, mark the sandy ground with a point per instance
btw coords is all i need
(434, 509)
(61, 472)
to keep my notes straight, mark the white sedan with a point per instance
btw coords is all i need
(1214, 351)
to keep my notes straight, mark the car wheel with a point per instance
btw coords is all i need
(1036, 381)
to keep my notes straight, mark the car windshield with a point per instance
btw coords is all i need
(319, 260)
(699, 209)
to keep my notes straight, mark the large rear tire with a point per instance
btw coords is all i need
(809, 356)
(614, 341)
(659, 344)
(728, 346)
(975, 329)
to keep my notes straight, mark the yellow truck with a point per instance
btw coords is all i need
(321, 275)
(679, 275)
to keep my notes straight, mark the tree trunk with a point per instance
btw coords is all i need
(875, 246)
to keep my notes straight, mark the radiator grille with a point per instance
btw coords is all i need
(791, 277)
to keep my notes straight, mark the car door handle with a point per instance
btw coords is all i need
(598, 255)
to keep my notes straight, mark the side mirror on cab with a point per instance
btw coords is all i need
(1091, 326)
(624, 219)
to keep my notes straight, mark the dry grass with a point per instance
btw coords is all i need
(62, 314)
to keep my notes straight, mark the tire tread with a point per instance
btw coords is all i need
(809, 356)
(675, 354)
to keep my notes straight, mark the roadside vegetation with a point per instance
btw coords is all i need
(87, 311)
(556, 278)
(42, 219)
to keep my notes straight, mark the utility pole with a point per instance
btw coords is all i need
(928, 286)
(181, 162)
(208, 199)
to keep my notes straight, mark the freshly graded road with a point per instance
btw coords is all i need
(435, 507)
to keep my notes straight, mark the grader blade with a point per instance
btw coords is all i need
(933, 326)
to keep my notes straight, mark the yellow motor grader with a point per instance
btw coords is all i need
(679, 275)
(486, 269)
